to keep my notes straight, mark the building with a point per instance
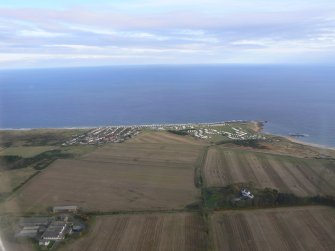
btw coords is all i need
(30, 232)
(44, 243)
(246, 194)
(65, 209)
(55, 231)
(34, 221)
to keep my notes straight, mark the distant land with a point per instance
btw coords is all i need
(293, 99)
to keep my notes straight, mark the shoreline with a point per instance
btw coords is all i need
(301, 142)
(131, 125)
(258, 127)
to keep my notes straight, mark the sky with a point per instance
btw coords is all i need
(49, 33)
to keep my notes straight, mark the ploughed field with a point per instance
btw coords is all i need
(134, 176)
(166, 138)
(300, 228)
(301, 176)
(178, 231)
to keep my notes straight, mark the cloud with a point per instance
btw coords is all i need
(39, 33)
(165, 31)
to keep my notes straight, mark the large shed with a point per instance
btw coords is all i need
(65, 209)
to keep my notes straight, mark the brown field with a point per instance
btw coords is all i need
(144, 232)
(301, 228)
(165, 137)
(115, 177)
(303, 177)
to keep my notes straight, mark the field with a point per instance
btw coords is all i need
(115, 177)
(301, 176)
(18, 246)
(25, 151)
(37, 137)
(165, 138)
(179, 231)
(301, 228)
(13, 178)
(144, 194)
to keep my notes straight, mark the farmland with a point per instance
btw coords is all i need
(115, 177)
(301, 228)
(301, 176)
(165, 138)
(19, 246)
(25, 151)
(13, 178)
(161, 190)
(180, 231)
(37, 137)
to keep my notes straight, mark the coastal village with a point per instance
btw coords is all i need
(229, 130)
(102, 135)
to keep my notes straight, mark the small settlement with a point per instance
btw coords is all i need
(210, 130)
(49, 230)
(101, 135)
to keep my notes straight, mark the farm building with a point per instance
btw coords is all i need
(34, 221)
(65, 209)
(44, 242)
(55, 231)
(30, 232)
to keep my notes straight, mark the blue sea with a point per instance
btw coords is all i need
(293, 99)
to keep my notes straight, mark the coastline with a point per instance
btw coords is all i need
(258, 126)
(301, 142)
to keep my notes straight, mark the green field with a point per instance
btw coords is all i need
(26, 151)
(9, 180)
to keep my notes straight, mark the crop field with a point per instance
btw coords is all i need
(300, 228)
(164, 137)
(115, 177)
(303, 177)
(178, 231)
(158, 154)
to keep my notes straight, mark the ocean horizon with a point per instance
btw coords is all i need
(293, 99)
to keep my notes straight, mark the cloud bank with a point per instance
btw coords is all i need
(79, 33)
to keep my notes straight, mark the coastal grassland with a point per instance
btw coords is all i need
(162, 137)
(287, 146)
(137, 176)
(294, 228)
(25, 151)
(177, 231)
(300, 176)
(78, 150)
(37, 137)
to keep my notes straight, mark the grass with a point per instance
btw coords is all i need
(216, 198)
(13, 178)
(37, 137)
(25, 151)
(77, 151)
